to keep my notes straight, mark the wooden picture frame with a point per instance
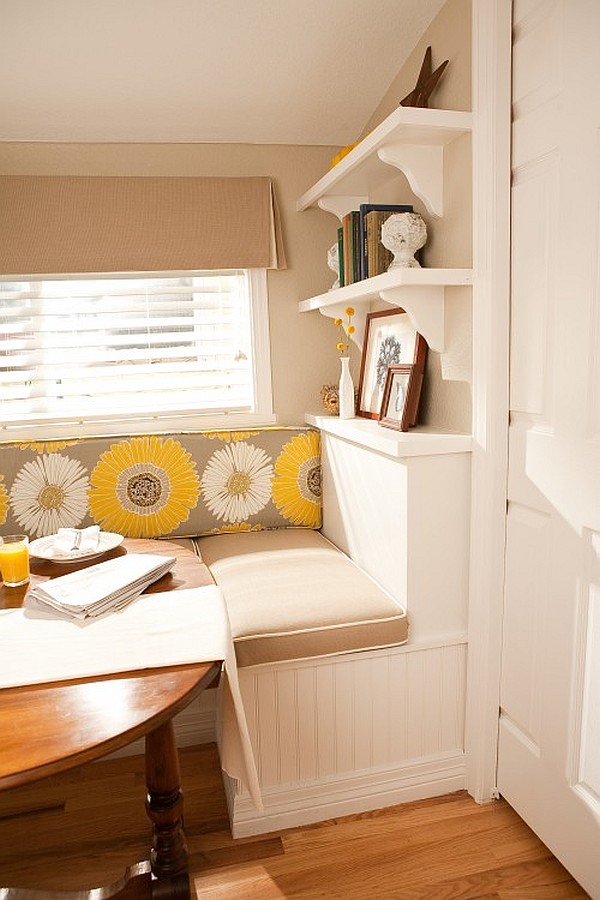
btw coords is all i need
(390, 339)
(401, 395)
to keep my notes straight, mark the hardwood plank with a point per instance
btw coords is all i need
(518, 881)
(566, 891)
(234, 854)
(85, 827)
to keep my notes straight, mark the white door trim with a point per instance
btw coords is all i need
(491, 78)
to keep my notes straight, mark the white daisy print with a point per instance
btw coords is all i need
(49, 493)
(237, 481)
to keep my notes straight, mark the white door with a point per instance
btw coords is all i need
(549, 752)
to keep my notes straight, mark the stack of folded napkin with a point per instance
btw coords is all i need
(101, 588)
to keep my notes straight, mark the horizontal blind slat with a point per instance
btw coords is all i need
(159, 343)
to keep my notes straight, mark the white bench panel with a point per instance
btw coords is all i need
(391, 718)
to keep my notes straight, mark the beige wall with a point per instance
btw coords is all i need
(449, 36)
(447, 390)
(302, 346)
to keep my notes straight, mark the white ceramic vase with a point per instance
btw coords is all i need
(346, 390)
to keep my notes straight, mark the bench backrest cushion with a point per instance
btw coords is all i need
(184, 484)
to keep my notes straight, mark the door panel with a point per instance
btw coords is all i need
(524, 623)
(533, 201)
(549, 748)
(589, 677)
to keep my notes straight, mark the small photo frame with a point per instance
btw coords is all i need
(390, 340)
(401, 395)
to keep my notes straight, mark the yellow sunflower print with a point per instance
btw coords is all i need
(46, 446)
(237, 528)
(230, 435)
(3, 502)
(144, 487)
(297, 481)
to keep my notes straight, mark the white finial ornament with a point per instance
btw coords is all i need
(333, 261)
(404, 234)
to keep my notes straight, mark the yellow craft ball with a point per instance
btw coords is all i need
(349, 310)
(343, 152)
(337, 321)
(351, 329)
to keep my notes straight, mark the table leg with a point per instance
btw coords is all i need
(164, 806)
(168, 878)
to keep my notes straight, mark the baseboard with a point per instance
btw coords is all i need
(194, 725)
(288, 806)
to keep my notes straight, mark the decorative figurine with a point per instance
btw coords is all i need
(404, 234)
(426, 83)
(330, 399)
(333, 261)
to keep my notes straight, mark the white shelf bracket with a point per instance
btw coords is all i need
(425, 306)
(340, 206)
(424, 169)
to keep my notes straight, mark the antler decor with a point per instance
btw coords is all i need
(426, 82)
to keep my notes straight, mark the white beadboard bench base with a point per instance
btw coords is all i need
(352, 733)
(344, 734)
(292, 805)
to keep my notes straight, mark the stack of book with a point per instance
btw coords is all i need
(99, 589)
(360, 251)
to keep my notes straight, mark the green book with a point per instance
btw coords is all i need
(365, 210)
(340, 237)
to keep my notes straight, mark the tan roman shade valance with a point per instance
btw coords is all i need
(63, 224)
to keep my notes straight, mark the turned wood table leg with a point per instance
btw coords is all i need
(164, 806)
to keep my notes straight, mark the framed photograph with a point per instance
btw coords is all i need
(401, 394)
(390, 340)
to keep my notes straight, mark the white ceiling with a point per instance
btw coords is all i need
(251, 71)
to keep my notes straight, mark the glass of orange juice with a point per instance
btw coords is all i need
(14, 559)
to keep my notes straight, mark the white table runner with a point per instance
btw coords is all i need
(165, 629)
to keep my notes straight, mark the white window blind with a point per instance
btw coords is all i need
(92, 349)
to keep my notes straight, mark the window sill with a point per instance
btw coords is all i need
(90, 427)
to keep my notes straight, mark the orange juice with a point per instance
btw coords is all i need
(14, 559)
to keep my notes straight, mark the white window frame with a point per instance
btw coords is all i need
(190, 420)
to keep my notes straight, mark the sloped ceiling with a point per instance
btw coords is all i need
(249, 71)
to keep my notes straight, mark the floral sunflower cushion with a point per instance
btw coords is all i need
(176, 485)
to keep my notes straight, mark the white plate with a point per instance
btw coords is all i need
(43, 548)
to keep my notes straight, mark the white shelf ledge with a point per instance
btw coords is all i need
(412, 140)
(418, 291)
(370, 434)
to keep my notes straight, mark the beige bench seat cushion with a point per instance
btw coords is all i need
(292, 595)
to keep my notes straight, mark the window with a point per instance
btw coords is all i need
(106, 354)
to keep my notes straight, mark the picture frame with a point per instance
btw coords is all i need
(390, 339)
(401, 396)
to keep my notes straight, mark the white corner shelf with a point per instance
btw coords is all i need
(419, 291)
(368, 433)
(412, 140)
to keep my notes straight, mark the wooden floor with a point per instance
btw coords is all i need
(84, 828)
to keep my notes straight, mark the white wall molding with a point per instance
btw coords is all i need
(491, 78)
(288, 806)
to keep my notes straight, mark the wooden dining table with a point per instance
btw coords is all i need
(38, 737)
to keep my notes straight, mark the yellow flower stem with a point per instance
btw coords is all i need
(346, 330)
